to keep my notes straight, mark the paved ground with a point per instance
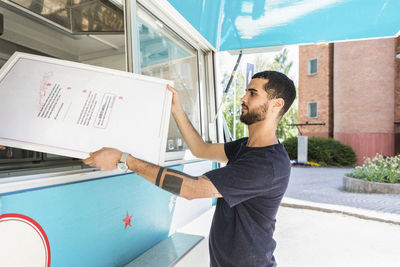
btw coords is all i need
(324, 185)
(307, 238)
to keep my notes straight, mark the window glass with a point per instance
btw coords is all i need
(312, 110)
(17, 155)
(312, 66)
(165, 55)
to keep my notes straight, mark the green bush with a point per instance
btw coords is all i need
(291, 147)
(379, 169)
(325, 151)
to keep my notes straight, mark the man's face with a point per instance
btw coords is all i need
(255, 102)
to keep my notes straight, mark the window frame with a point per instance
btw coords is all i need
(180, 42)
(309, 66)
(309, 110)
(205, 67)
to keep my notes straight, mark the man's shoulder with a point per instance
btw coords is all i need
(271, 152)
(237, 141)
(273, 157)
(233, 146)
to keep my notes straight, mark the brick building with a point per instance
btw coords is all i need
(353, 88)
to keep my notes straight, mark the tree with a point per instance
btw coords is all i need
(232, 104)
(279, 63)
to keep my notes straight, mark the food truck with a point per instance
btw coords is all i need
(54, 210)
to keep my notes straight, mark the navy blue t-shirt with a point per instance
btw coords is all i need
(252, 185)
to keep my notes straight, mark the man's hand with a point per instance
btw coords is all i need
(176, 105)
(105, 159)
(192, 138)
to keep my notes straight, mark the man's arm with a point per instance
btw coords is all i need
(199, 148)
(175, 182)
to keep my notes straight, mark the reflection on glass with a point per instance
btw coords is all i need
(12, 155)
(165, 55)
(79, 16)
(96, 16)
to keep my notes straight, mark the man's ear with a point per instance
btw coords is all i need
(278, 103)
(277, 106)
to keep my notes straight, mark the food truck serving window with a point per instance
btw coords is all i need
(165, 55)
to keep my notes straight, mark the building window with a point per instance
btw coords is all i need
(312, 109)
(312, 66)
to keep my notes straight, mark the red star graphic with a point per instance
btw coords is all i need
(127, 220)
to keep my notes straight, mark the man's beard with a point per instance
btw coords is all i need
(256, 115)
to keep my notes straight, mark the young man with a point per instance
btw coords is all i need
(249, 188)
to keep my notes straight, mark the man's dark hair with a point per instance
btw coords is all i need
(278, 86)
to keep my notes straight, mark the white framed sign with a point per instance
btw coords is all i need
(72, 109)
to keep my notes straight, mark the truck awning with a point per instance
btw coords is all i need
(241, 24)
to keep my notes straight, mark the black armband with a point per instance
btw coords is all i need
(159, 176)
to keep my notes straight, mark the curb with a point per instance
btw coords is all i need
(355, 185)
(345, 210)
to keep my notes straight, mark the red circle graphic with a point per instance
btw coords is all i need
(32, 223)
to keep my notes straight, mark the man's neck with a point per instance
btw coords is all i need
(262, 134)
